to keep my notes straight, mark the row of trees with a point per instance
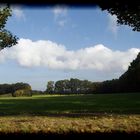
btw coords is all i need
(77, 86)
(127, 82)
(17, 89)
(68, 86)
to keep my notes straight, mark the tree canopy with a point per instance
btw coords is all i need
(131, 78)
(127, 12)
(12, 88)
(7, 39)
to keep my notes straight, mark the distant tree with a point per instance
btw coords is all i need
(109, 86)
(12, 88)
(5, 88)
(18, 88)
(66, 84)
(22, 92)
(95, 87)
(85, 86)
(75, 85)
(59, 87)
(50, 87)
(6, 37)
(21, 85)
(127, 12)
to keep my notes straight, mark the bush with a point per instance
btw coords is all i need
(22, 92)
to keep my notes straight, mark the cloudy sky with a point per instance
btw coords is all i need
(61, 42)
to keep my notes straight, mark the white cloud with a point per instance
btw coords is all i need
(112, 24)
(55, 56)
(60, 15)
(60, 11)
(18, 12)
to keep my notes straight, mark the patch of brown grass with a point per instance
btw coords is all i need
(64, 125)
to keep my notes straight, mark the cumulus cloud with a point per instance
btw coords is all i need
(112, 24)
(55, 56)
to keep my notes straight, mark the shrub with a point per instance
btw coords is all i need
(22, 92)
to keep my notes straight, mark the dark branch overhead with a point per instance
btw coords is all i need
(127, 12)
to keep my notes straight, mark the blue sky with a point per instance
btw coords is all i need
(61, 42)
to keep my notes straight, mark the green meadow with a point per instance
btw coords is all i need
(67, 104)
(70, 113)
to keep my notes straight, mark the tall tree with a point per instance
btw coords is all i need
(59, 87)
(50, 87)
(75, 85)
(6, 37)
(85, 86)
(131, 78)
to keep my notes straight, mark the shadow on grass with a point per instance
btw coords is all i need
(71, 106)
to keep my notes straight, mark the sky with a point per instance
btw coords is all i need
(62, 42)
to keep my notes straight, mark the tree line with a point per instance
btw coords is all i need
(77, 86)
(127, 82)
(72, 86)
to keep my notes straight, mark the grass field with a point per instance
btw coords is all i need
(42, 105)
(71, 113)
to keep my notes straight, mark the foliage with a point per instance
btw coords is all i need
(22, 92)
(5, 88)
(62, 86)
(130, 80)
(127, 82)
(127, 12)
(21, 85)
(15, 88)
(72, 86)
(50, 87)
(6, 37)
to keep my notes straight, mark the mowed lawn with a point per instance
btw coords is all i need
(47, 104)
(72, 113)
